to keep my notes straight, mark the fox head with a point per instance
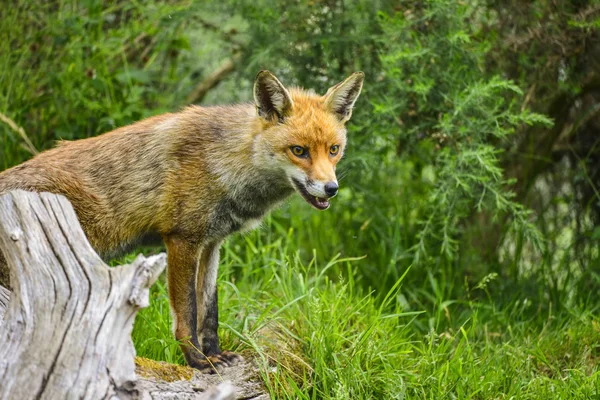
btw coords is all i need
(303, 135)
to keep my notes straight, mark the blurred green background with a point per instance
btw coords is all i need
(461, 257)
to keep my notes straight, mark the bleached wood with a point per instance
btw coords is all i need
(65, 330)
(4, 297)
(182, 391)
(241, 380)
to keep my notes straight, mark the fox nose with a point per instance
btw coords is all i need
(331, 188)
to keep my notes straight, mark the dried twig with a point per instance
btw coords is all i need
(225, 69)
(528, 97)
(582, 16)
(212, 80)
(227, 36)
(12, 124)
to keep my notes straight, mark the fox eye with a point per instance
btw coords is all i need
(299, 151)
(333, 150)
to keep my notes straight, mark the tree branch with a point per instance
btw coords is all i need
(212, 80)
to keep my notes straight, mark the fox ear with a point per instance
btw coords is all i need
(340, 98)
(271, 97)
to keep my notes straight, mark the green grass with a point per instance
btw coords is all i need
(316, 332)
(330, 304)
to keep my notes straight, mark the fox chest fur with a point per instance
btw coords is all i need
(244, 209)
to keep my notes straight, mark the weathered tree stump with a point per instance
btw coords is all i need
(65, 330)
(4, 297)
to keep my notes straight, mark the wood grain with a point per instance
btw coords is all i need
(65, 330)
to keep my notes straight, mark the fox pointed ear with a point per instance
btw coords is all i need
(271, 97)
(340, 98)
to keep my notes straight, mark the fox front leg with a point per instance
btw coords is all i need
(207, 310)
(192, 272)
(182, 265)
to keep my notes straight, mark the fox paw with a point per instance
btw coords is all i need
(214, 364)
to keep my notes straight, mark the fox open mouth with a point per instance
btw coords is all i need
(317, 202)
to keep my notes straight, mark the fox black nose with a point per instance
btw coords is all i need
(331, 188)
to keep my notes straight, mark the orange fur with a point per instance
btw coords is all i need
(194, 177)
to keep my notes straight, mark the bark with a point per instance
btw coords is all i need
(66, 331)
(4, 297)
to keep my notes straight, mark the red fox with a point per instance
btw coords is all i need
(195, 177)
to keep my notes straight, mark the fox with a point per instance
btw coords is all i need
(194, 177)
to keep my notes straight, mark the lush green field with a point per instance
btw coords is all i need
(461, 258)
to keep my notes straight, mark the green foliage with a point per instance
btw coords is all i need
(460, 258)
(71, 70)
(316, 44)
(444, 103)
